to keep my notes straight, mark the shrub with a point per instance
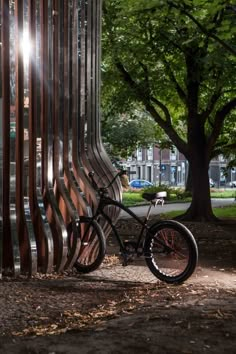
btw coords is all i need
(172, 192)
(182, 194)
(161, 188)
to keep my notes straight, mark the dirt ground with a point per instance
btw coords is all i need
(126, 310)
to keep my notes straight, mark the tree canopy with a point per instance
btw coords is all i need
(177, 60)
(125, 133)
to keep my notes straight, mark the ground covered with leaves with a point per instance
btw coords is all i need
(117, 309)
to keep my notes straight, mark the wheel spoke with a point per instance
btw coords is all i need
(171, 252)
(92, 250)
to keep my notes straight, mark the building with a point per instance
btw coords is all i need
(170, 167)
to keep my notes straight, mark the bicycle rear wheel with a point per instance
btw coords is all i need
(171, 251)
(93, 245)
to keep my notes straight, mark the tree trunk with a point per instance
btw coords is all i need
(200, 208)
(189, 184)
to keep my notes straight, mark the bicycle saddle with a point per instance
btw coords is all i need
(154, 196)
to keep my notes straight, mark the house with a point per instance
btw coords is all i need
(170, 167)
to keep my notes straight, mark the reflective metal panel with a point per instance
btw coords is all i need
(80, 163)
(49, 130)
(70, 213)
(26, 47)
(41, 224)
(53, 211)
(12, 153)
(70, 106)
(95, 150)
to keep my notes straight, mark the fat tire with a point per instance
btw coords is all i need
(87, 268)
(189, 241)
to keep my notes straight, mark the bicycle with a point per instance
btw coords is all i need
(169, 248)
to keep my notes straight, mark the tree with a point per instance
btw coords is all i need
(155, 55)
(125, 133)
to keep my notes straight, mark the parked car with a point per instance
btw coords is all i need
(140, 183)
(211, 182)
(232, 184)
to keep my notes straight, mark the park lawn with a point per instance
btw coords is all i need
(133, 198)
(223, 193)
(221, 212)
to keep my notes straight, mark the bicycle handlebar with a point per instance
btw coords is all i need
(94, 183)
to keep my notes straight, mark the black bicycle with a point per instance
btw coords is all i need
(169, 248)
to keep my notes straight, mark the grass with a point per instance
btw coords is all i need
(226, 212)
(223, 193)
(133, 198)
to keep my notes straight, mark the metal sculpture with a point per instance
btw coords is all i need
(49, 130)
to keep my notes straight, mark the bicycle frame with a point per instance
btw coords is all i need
(107, 201)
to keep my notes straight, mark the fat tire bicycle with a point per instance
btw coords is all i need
(169, 248)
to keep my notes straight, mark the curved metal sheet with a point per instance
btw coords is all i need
(10, 35)
(116, 191)
(53, 211)
(90, 158)
(52, 106)
(27, 163)
(94, 142)
(63, 195)
(43, 232)
(82, 203)
(95, 150)
(80, 164)
(8, 261)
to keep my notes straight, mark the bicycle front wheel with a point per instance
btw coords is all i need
(93, 245)
(171, 251)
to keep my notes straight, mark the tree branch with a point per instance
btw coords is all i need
(164, 124)
(142, 96)
(203, 29)
(128, 79)
(168, 129)
(163, 108)
(172, 77)
(146, 78)
(224, 149)
(219, 121)
(211, 104)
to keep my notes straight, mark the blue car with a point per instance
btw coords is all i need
(140, 183)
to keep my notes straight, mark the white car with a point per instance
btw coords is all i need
(232, 184)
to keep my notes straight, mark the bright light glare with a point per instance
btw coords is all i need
(26, 47)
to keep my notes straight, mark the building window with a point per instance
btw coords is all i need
(150, 153)
(173, 154)
(139, 154)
